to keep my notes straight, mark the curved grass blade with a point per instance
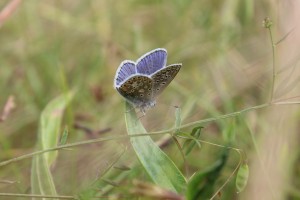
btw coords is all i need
(157, 164)
(48, 137)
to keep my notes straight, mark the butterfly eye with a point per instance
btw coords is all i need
(141, 95)
(163, 83)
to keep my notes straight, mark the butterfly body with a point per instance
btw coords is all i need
(142, 81)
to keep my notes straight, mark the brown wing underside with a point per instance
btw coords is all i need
(162, 78)
(137, 89)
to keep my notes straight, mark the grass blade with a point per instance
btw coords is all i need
(157, 164)
(48, 137)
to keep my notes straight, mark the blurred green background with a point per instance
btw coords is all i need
(49, 47)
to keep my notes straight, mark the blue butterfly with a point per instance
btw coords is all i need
(142, 81)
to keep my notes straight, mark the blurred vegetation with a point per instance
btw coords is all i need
(50, 47)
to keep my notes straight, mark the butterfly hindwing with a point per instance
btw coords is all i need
(137, 89)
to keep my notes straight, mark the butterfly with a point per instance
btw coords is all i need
(142, 81)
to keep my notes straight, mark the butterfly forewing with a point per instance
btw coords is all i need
(137, 89)
(162, 78)
(152, 61)
(126, 69)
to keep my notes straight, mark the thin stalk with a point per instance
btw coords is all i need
(273, 64)
(36, 196)
(121, 137)
(216, 118)
(67, 146)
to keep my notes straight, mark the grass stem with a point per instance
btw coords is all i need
(273, 64)
(36, 196)
(121, 137)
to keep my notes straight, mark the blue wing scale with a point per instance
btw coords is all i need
(151, 62)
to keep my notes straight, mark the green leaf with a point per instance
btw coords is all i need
(201, 184)
(50, 125)
(64, 137)
(48, 137)
(41, 178)
(189, 144)
(157, 164)
(242, 178)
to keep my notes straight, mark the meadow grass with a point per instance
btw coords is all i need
(235, 83)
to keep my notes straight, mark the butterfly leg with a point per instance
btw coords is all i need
(127, 111)
(139, 117)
